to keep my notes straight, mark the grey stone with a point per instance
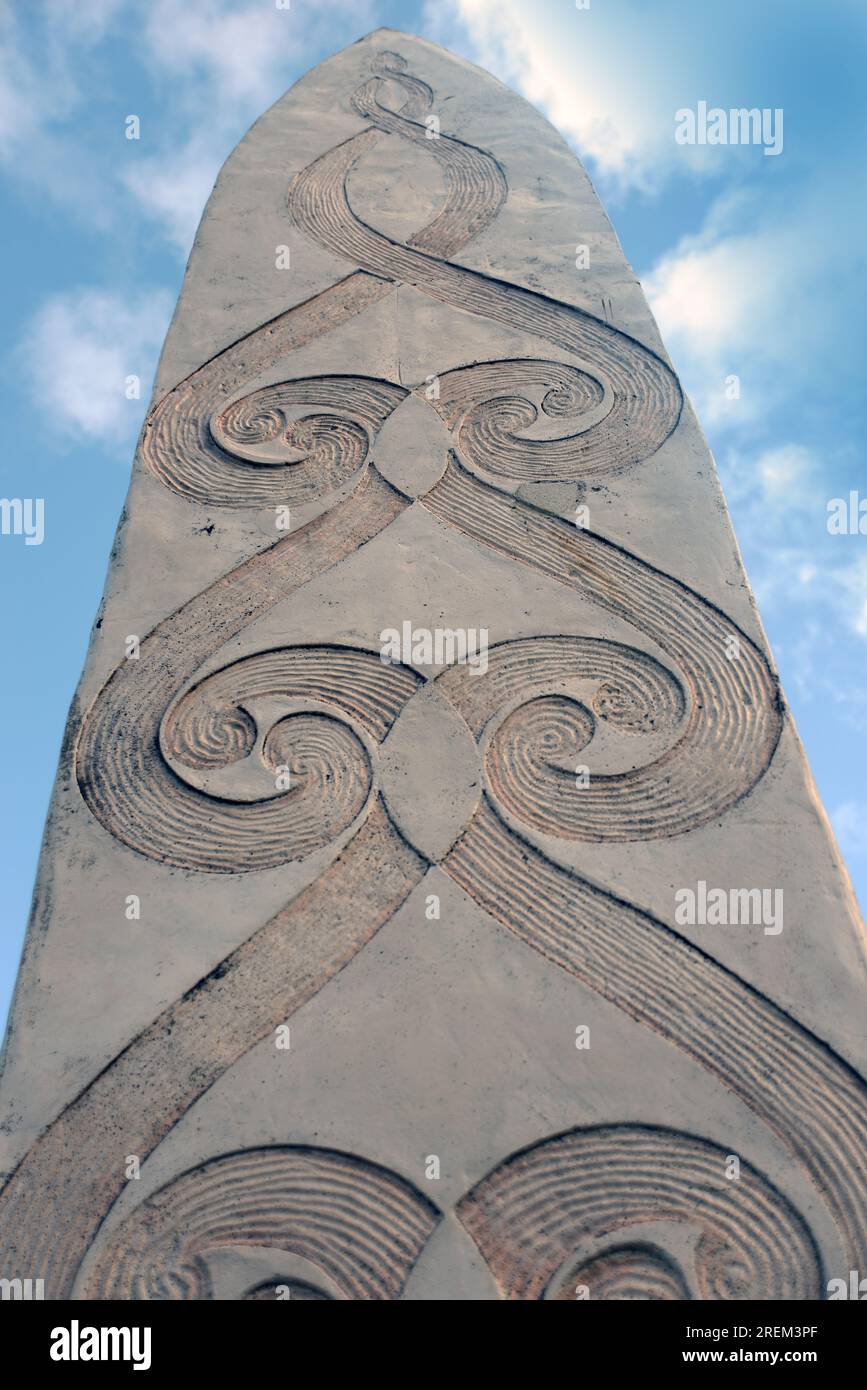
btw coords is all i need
(441, 907)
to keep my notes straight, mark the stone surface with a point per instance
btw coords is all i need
(431, 387)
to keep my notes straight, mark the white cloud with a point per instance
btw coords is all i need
(778, 500)
(212, 69)
(607, 113)
(172, 189)
(720, 299)
(39, 82)
(757, 294)
(30, 99)
(824, 598)
(78, 352)
(610, 77)
(44, 55)
(223, 66)
(850, 826)
(238, 50)
(786, 474)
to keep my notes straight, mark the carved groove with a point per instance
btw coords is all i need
(476, 186)
(158, 750)
(122, 773)
(812, 1100)
(363, 1226)
(645, 397)
(734, 718)
(196, 444)
(533, 1212)
(530, 760)
(623, 1273)
(53, 1204)
(491, 404)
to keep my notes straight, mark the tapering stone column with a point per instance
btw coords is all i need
(435, 901)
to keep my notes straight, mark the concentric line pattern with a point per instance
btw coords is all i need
(530, 1215)
(797, 1085)
(57, 1198)
(198, 445)
(262, 430)
(122, 773)
(362, 1225)
(489, 405)
(623, 1272)
(530, 757)
(634, 693)
(645, 397)
(476, 186)
(198, 726)
(271, 446)
(194, 442)
(734, 716)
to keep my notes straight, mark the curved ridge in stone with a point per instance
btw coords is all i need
(733, 709)
(814, 1102)
(531, 1215)
(361, 1225)
(52, 1205)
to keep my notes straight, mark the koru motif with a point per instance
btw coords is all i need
(180, 768)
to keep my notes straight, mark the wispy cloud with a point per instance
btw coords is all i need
(612, 77)
(620, 124)
(80, 350)
(171, 188)
(237, 50)
(756, 294)
(221, 68)
(850, 825)
(210, 70)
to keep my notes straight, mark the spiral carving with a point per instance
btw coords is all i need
(362, 1226)
(267, 448)
(261, 430)
(532, 758)
(534, 1212)
(734, 714)
(645, 399)
(812, 1100)
(623, 1272)
(181, 768)
(492, 405)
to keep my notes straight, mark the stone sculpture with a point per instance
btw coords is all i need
(360, 977)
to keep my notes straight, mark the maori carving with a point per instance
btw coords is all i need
(53, 1205)
(177, 761)
(625, 1272)
(734, 718)
(643, 396)
(360, 1226)
(491, 405)
(133, 783)
(257, 452)
(533, 1213)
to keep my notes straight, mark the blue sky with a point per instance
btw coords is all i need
(754, 265)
